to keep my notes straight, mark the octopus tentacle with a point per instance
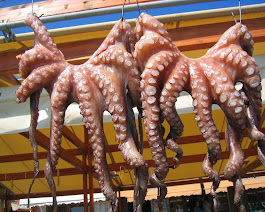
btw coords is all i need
(94, 123)
(170, 92)
(108, 66)
(141, 173)
(34, 109)
(154, 39)
(151, 113)
(35, 56)
(29, 64)
(203, 115)
(117, 102)
(212, 81)
(59, 104)
(235, 162)
(40, 77)
(126, 140)
(249, 76)
(237, 34)
(42, 36)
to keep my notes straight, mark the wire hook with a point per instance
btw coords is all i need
(32, 3)
(240, 13)
(239, 10)
(234, 17)
(122, 12)
(138, 7)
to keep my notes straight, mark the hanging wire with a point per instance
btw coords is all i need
(240, 13)
(138, 7)
(234, 17)
(32, 2)
(239, 10)
(122, 11)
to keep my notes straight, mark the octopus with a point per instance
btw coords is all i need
(211, 79)
(108, 81)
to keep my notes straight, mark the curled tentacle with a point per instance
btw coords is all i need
(171, 90)
(238, 35)
(32, 58)
(42, 36)
(41, 77)
(34, 109)
(202, 96)
(235, 162)
(32, 65)
(212, 81)
(59, 103)
(153, 40)
(118, 72)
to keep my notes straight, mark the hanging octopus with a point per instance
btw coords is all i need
(210, 80)
(99, 84)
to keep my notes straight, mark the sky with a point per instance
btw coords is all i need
(129, 15)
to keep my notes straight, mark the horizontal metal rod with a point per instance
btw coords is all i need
(104, 11)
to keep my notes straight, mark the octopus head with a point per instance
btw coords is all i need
(122, 35)
(237, 35)
(128, 36)
(146, 23)
(246, 41)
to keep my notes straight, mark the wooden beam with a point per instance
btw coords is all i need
(185, 159)
(48, 194)
(116, 166)
(194, 180)
(85, 192)
(209, 41)
(109, 148)
(182, 140)
(85, 186)
(29, 156)
(215, 29)
(30, 174)
(90, 172)
(48, 8)
(187, 39)
(255, 164)
(44, 142)
(21, 157)
(74, 140)
(5, 195)
(131, 187)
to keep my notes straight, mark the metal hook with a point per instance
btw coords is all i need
(8, 34)
(138, 7)
(234, 17)
(239, 10)
(122, 12)
(32, 2)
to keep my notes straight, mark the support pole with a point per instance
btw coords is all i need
(90, 156)
(103, 11)
(91, 186)
(230, 198)
(85, 187)
(119, 193)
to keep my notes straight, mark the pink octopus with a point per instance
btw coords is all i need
(210, 80)
(99, 84)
